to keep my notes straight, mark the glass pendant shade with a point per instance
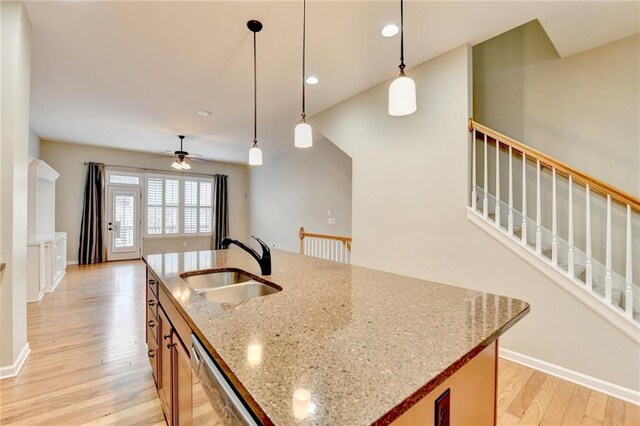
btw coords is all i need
(255, 156)
(303, 136)
(186, 166)
(176, 165)
(402, 96)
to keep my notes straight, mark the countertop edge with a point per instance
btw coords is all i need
(2, 266)
(254, 407)
(415, 397)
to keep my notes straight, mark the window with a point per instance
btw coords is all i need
(178, 206)
(120, 179)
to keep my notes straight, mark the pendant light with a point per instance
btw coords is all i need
(402, 91)
(303, 133)
(255, 153)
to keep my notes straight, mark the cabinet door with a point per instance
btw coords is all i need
(165, 376)
(183, 384)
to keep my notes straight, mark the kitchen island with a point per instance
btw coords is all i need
(338, 345)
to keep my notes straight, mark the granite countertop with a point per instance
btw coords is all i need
(364, 345)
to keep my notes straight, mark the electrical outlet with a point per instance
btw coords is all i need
(329, 213)
(331, 221)
(443, 409)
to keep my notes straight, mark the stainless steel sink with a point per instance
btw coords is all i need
(216, 279)
(231, 286)
(237, 292)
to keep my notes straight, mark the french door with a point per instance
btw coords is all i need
(123, 222)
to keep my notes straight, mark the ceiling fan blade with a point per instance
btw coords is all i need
(161, 156)
(198, 160)
(193, 155)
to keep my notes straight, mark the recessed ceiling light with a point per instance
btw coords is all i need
(312, 80)
(390, 30)
(204, 113)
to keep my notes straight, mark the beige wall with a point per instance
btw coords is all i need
(67, 159)
(583, 109)
(297, 189)
(15, 74)
(410, 193)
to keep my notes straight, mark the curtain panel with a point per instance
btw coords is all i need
(92, 247)
(220, 211)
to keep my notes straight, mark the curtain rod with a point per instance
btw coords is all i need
(144, 169)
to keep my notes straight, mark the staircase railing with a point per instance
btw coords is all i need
(482, 201)
(330, 247)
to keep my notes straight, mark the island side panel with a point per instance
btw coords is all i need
(472, 394)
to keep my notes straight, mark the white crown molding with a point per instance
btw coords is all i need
(629, 395)
(13, 369)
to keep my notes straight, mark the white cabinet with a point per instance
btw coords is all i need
(47, 260)
(47, 249)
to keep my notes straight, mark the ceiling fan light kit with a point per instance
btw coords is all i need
(181, 162)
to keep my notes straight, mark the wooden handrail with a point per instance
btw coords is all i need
(303, 234)
(594, 184)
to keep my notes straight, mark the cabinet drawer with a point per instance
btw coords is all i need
(152, 306)
(154, 355)
(152, 325)
(152, 284)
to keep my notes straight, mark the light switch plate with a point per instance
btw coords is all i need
(331, 221)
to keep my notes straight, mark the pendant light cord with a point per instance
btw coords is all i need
(304, 54)
(401, 35)
(255, 93)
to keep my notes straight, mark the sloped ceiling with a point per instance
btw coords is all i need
(133, 75)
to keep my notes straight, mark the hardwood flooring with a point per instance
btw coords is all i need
(88, 365)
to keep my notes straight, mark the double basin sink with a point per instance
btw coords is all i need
(229, 286)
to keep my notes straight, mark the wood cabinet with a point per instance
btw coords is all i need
(167, 333)
(165, 382)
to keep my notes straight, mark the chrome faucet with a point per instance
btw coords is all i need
(264, 261)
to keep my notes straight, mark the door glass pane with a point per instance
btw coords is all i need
(124, 218)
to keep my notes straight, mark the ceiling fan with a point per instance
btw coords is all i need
(180, 162)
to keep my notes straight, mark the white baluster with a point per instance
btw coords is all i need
(538, 211)
(524, 198)
(554, 219)
(608, 277)
(628, 304)
(510, 217)
(589, 265)
(571, 254)
(497, 210)
(485, 202)
(474, 194)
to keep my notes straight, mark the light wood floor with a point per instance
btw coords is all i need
(88, 365)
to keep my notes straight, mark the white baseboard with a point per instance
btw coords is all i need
(629, 395)
(56, 283)
(13, 369)
(72, 262)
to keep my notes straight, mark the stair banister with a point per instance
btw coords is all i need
(596, 185)
(595, 275)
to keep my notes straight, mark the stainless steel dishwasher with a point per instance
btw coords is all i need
(223, 400)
